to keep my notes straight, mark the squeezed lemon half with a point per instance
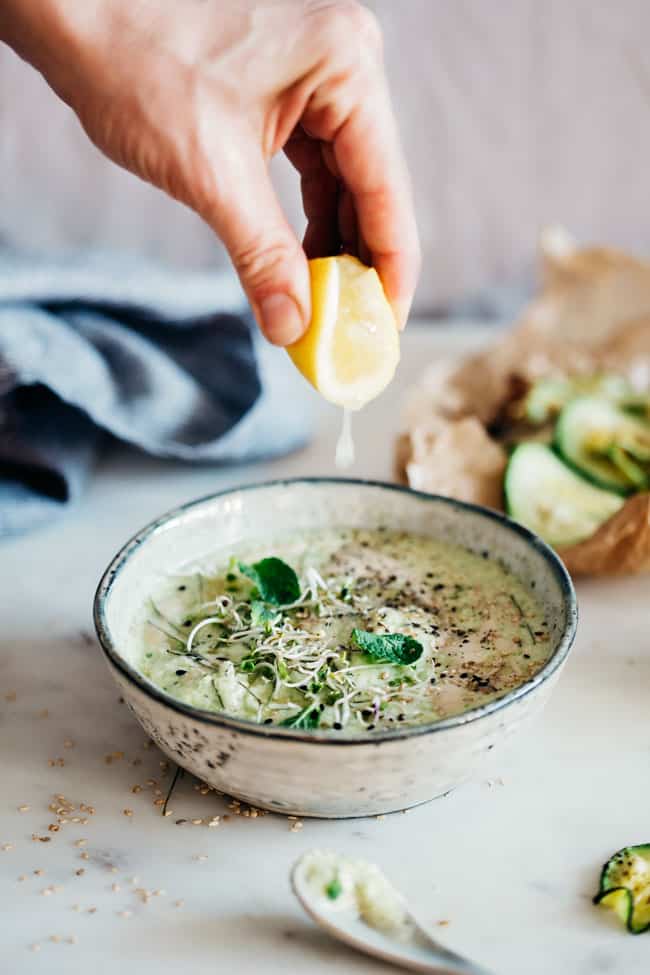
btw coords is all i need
(350, 351)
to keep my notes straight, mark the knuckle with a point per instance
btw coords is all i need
(349, 23)
(262, 263)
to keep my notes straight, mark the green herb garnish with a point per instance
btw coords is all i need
(334, 889)
(276, 581)
(397, 648)
(309, 717)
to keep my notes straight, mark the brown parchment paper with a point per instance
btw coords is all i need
(593, 314)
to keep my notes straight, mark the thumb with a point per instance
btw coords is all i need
(267, 256)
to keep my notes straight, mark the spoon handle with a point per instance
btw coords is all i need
(445, 961)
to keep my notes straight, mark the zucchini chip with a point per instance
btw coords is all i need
(625, 887)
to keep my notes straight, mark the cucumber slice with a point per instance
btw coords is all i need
(548, 396)
(625, 887)
(606, 444)
(552, 500)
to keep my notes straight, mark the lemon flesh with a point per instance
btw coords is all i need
(350, 351)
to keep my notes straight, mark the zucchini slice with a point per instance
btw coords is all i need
(552, 500)
(625, 887)
(606, 444)
(548, 396)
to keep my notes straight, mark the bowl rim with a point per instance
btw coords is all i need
(245, 726)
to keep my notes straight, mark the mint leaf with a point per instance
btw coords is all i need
(276, 581)
(261, 615)
(309, 717)
(334, 889)
(394, 647)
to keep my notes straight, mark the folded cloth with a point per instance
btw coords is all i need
(168, 361)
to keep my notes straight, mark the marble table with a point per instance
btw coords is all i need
(504, 867)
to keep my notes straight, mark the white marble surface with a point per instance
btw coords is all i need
(510, 863)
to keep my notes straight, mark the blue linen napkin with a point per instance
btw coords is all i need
(168, 361)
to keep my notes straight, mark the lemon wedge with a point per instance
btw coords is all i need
(350, 351)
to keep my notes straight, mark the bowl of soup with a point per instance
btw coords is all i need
(334, 647)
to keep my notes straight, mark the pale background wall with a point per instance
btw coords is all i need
(514, 113)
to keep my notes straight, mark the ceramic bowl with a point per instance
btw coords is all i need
(328, 773)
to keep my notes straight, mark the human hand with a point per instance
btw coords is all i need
(196, 96)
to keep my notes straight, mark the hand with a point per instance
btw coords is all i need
(196, 96)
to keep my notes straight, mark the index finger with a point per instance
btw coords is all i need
(369, 158)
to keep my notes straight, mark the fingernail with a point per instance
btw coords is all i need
(401, 309)
(282, 320)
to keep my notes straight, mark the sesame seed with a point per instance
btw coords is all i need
(178, 903)
(159, 802)
(34, 947)
(22, 877)
(72, 940)
(24, 808)
(196, 822)
(80, 842)
(124, 913)
(85, 856)
(54, 827)
(39, 873)
(115, 887)
(200, 856)
(68, 743)
(55, 938)
(127, 812)
(91, 910)
(136, 788)
(6, 847)
(80, 872)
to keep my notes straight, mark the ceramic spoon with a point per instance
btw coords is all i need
(418, 952)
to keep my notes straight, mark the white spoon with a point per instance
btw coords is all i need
(413, 949)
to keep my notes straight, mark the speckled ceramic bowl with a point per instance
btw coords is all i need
(327, 773)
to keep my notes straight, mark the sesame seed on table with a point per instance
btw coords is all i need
(206, 885)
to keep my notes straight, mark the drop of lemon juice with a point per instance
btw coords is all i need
(344, 456)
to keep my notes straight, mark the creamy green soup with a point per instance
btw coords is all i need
(365, 631)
